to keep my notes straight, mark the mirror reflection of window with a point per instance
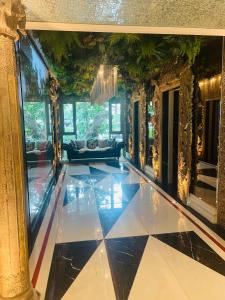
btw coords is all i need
(37, 128)
(116, 117)
(68, 117)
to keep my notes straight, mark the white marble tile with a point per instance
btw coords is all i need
(134, 178)
(197, 280)
(154, 279)
(94, 282)
(78, 169)
(157, 215)
(76, 182)
(129, 223)
(79, 220)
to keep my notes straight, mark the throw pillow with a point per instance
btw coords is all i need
(111, 143)
(74, 145)
(80, 144)
(103, 143)
(41, 145)
(92, 144)
(30, 146)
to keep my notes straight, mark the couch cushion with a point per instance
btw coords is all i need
(80, 144)
(41, 145)
(112, 143)
(103, 143)
(92, 143)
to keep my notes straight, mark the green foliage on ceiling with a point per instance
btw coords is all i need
(75, 57)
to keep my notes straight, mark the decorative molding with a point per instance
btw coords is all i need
(185, 133)
(138, 95)
(174, 75)
(12, 17)
(168, 79)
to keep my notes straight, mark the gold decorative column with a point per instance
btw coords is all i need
(53, 93)
(185, 133)
(221, 162)
(14, 271)
(156, 149)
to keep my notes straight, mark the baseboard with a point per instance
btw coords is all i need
(203, 208)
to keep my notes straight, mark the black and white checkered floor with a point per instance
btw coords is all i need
(117, 237)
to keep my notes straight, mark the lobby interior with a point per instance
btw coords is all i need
(112, 166)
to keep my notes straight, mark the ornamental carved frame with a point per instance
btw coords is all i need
(54, 97)
(138, 95)
(173, 76)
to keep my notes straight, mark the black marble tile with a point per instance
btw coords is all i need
(208, 172)
(67, 262)
(83, 178)
(130, 189)
(119, 177)
(74, 193)
(190, 244)
(95, 171)
(124, 255)
(205, 185)
(110, 207)
(111, 204)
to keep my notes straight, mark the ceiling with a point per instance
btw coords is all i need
(204, 17)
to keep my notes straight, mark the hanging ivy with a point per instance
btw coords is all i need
(75, 57)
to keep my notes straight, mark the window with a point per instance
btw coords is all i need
(68, 117)
(49, 119)
(116, 117)
(83, 120)
(92, 121)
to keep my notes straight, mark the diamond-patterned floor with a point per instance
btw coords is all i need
(118, 238)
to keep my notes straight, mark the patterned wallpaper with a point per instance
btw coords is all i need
(154, 13)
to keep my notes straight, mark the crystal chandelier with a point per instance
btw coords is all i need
(105, 85)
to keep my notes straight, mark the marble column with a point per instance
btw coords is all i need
(14, 271)
(221, 162)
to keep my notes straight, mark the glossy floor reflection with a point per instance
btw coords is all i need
(119, 238)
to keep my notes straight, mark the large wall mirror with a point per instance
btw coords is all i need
(34, 85)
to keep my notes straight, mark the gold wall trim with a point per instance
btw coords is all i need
(175, 75)
(185, 133)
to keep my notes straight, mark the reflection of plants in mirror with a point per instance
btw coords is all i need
(76, 57)
(35, 120)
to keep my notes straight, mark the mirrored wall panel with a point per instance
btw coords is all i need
(33, 77)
